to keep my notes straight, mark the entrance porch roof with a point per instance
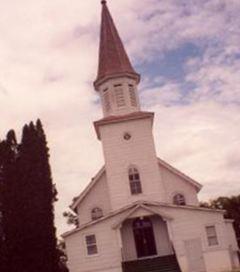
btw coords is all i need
(149, 205)
(141, 210)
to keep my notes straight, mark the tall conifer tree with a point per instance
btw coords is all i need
(1, 208)
(38, 198)
(8, 194)
(27, 198)
(48, 197)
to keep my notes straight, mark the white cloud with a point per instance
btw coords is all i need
(202, 140)
(48, 60)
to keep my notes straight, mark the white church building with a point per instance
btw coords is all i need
(140, 214)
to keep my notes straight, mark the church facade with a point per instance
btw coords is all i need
(140, 214)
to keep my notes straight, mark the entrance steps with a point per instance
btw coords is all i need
(157, 264)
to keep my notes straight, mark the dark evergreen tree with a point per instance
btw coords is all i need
(1, 207)
(8, 195)
(27, 233)
(1, 185)
(38, 196)
(48, 197)
(62, 256)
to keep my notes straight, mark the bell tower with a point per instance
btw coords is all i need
(125, 131)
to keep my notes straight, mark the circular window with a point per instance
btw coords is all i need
(127, 136)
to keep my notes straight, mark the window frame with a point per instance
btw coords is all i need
(91, 244)
(208, 237)
(99, 210)
(119, 95)
(176, 194)
(132, 95)
(106, 100)
(134, 182)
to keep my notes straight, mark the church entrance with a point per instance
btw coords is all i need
(144, 237)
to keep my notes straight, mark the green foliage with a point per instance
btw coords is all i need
(8, 196)
(62, 256)
(27, 203)
(71, 217)
(2, 249)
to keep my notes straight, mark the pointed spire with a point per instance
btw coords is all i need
(113, 59)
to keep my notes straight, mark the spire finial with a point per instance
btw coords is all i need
(104, 2)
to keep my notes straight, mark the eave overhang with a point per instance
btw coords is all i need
(121, 118)
(152, 204)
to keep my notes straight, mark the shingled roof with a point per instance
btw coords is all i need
(113, 59)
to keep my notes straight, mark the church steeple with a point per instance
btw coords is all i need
(125, 131)
(116, 79)
(113, 59)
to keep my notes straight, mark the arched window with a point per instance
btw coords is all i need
(179, 199)
(96, 213)
(134, 180)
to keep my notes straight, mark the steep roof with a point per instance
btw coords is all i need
(78, 200)
(172, 169)
(113, 59)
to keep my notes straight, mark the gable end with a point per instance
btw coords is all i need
(85, 192)
(175, 171)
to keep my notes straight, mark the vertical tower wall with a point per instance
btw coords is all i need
(138, 151)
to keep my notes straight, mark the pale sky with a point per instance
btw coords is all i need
(188, 54)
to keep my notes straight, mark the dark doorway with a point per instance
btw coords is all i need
(144, 237)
